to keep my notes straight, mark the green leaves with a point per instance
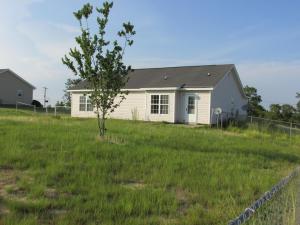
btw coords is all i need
(85, 12)
(100, 61)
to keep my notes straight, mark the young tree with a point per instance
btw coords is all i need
(70, 83)
(100, 61)
(254, 100)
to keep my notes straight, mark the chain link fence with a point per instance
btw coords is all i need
(288, 128)
(54, 111)
(276, 207)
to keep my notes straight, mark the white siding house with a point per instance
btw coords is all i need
(174, 94)
(14, 88)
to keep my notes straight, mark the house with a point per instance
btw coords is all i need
(189, 94)
(14, 88)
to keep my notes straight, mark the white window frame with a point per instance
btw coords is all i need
(159, 104)
(86, 104)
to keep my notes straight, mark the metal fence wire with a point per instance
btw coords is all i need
(56, 110)
(289, 128)
(275, 207)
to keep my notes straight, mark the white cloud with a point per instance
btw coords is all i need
(66, 28)
(51, 41)
(33, 48)
(277, 81)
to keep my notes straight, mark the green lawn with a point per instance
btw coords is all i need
(56, 171)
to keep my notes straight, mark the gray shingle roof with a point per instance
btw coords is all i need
(186, 76)
(3, 70)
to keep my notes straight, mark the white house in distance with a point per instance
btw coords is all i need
(188, 94)
(14, 88)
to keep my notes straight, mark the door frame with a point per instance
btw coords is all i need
(185, 106)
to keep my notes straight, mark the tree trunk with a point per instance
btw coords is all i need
(99, 123)
(102, 125)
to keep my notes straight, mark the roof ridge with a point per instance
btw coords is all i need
(167, 67)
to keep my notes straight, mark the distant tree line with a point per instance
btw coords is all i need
(285, 112)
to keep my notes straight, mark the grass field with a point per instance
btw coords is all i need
(54, 170)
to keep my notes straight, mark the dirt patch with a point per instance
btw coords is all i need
(57, 212)
(111, 140)
(183, 199)
(3, 210)
(51, 193)
(7, 177)
(15, 192)
(133, 185)
(19, 118)
(168, 221)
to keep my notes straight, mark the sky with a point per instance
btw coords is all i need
(260, 37)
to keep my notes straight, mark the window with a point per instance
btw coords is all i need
(19, 93)
(164, 104)
(159, 104)
(85, 103)
(154, 104)
(191, 105)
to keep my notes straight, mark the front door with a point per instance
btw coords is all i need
(190, 108)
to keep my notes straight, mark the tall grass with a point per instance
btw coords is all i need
(281, 209)
(145, 173)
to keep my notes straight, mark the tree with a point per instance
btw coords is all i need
(69, 84)
(58, 103)
(254, 100)
(275, 111)
(287, 112)
(100, 61)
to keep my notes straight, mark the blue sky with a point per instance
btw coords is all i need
(261, 37)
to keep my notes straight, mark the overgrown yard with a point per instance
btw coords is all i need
(56, 171)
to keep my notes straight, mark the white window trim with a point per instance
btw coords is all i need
(85, 103)
(159, 104)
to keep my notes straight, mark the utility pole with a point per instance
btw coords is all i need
(45, 95)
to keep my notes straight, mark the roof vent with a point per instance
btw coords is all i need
(208, 74)
(165, 77)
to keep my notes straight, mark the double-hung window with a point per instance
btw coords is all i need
(85, 103)
(159, 104)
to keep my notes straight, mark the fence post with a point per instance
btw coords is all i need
(16, 106)
(251, 119)
(54, 110)
(221, 121)
(291, 127)
(211, 117)
(34, 108)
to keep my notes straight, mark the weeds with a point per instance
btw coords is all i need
(144, 173)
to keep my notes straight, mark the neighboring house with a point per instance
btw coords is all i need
(188, 94)
(14, 88)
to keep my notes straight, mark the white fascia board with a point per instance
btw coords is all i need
(153, 89)
(196, 89)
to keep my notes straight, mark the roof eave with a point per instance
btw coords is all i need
(154, 89)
